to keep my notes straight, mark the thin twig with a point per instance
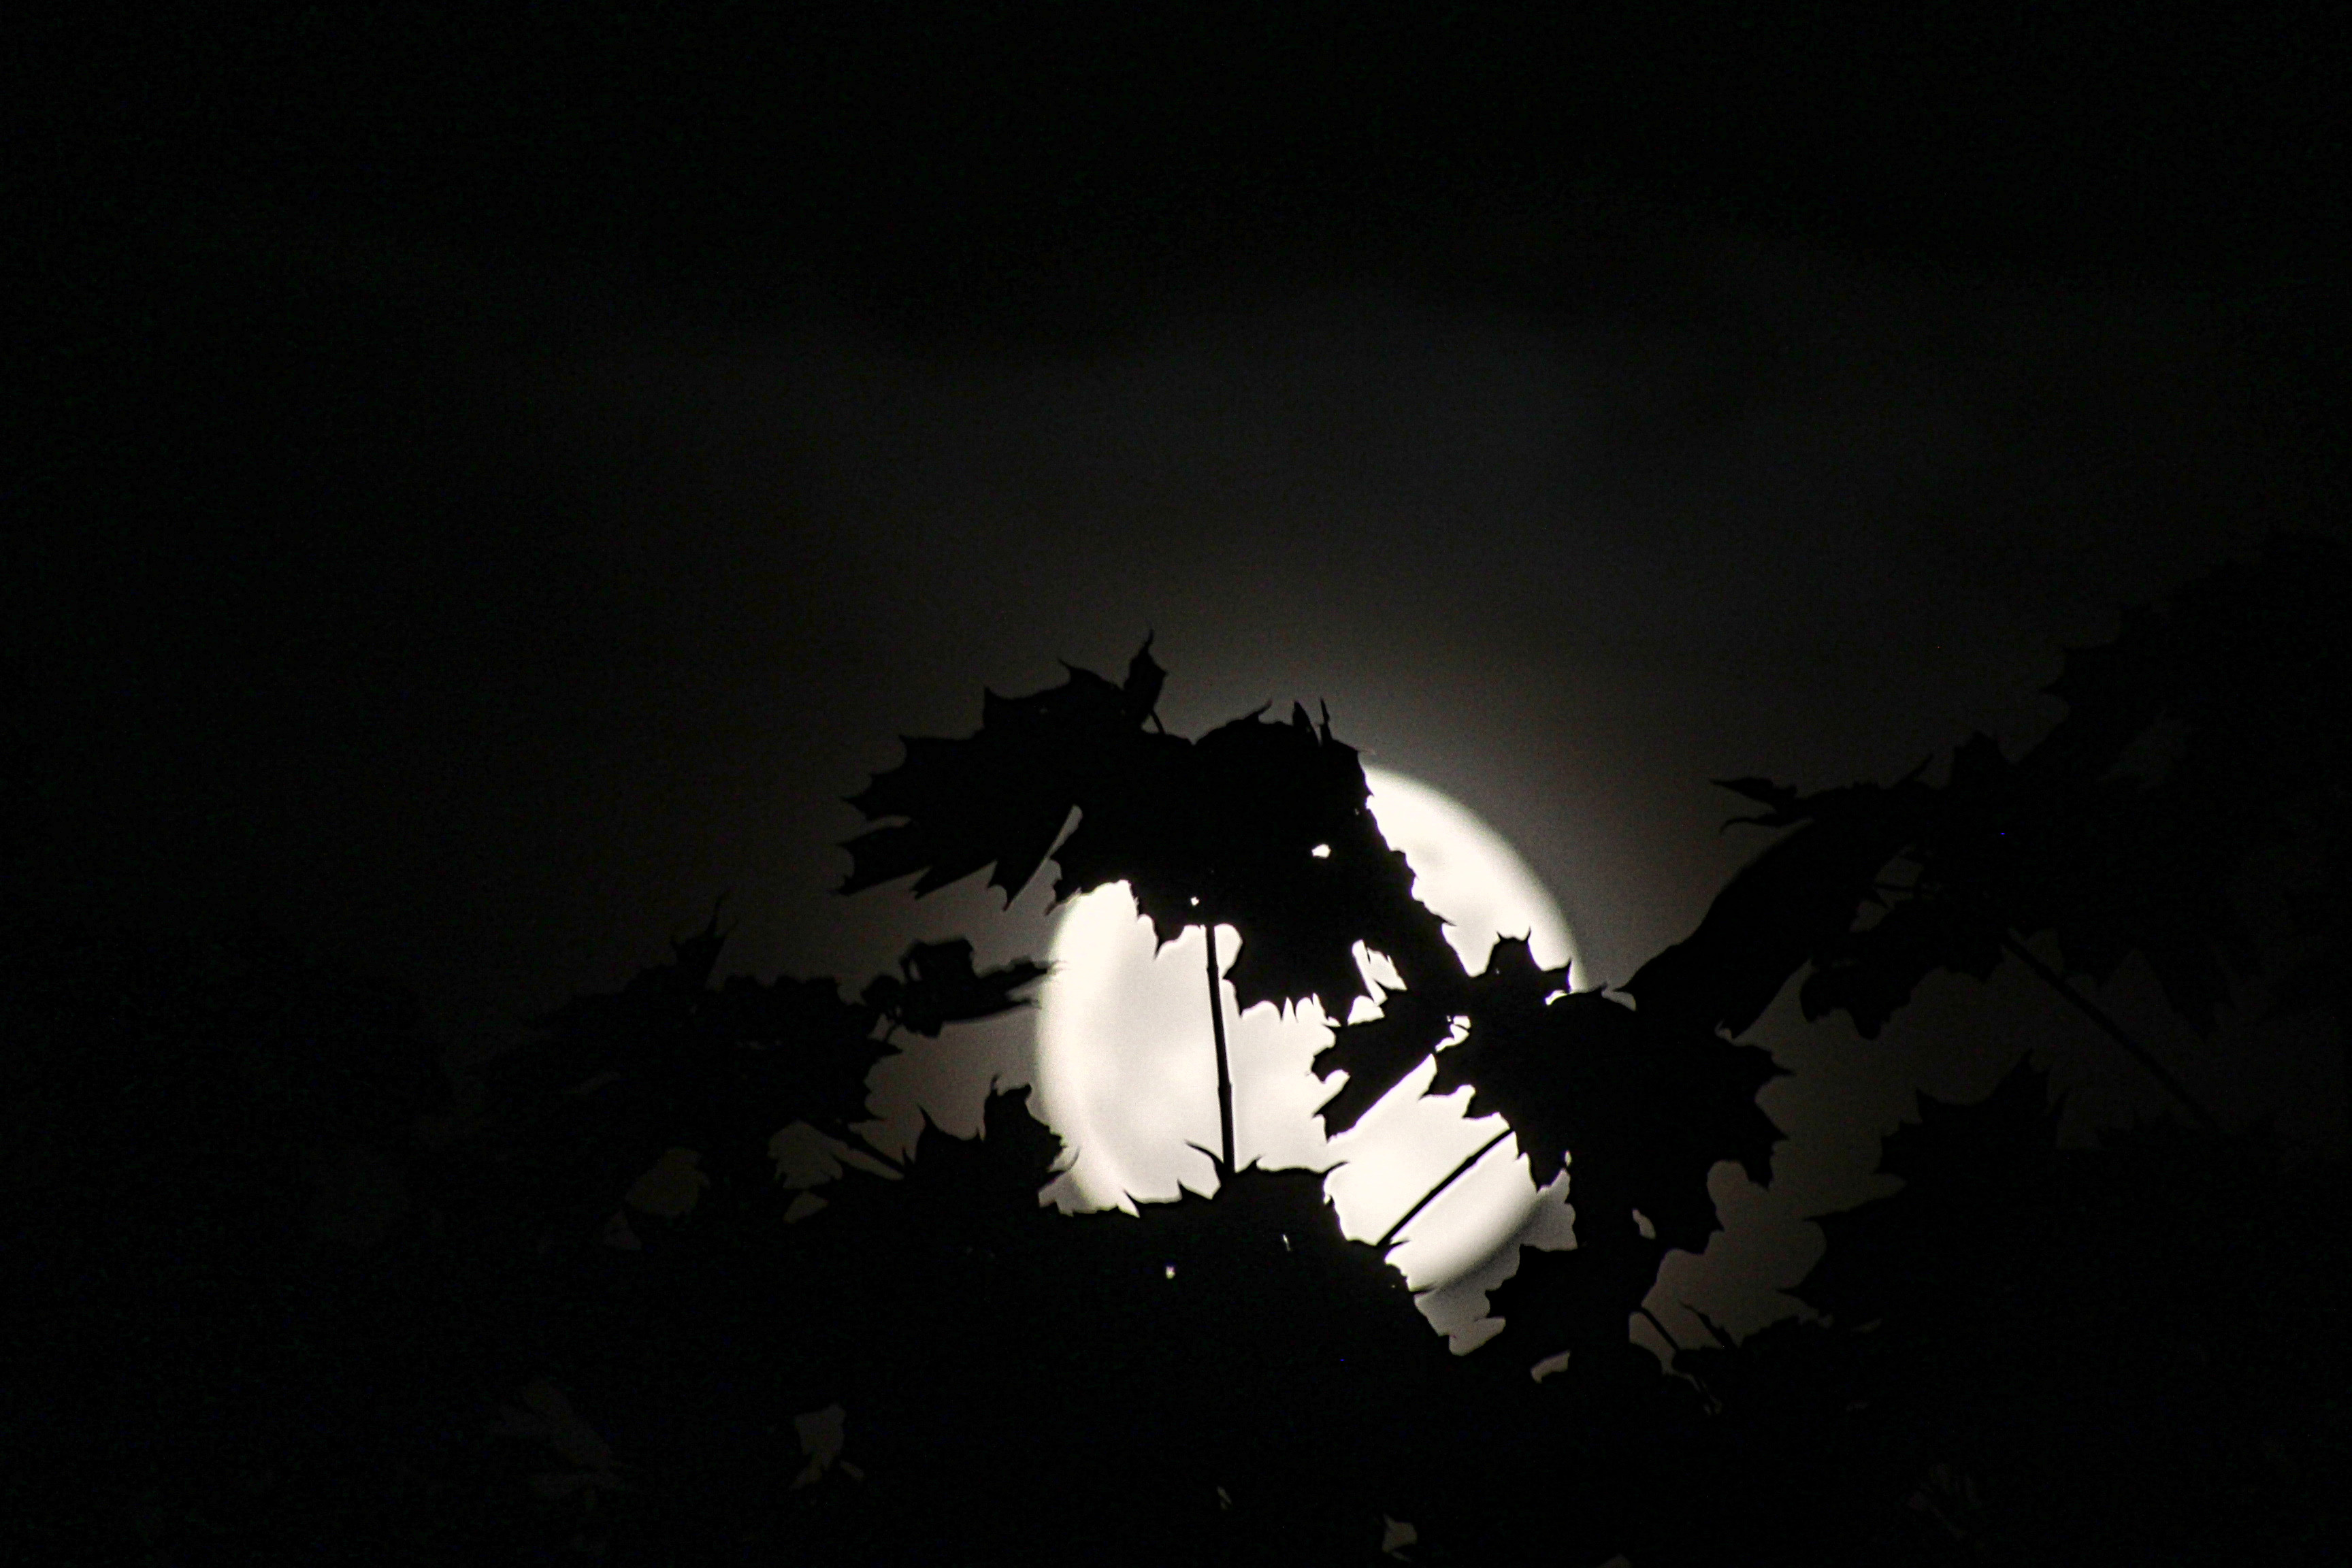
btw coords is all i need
(1452, 1176)
(1714, 1329)
(1225, 1072)
(1675, 1344)
(865, 1149)
(2113, 1031)
(2014, 946)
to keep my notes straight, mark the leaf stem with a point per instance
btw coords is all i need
(1224, 1071)
(1390, 1236)
(1675, 1345)
(865, 1148)
(2113, 1030)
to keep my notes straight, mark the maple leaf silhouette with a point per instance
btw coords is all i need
(1264, 826)
(1575, 1300)
(1002, 795)
(1780, 908)
(672, 1062)
(1648, 1102)
(1267, 828)
(1377, 1053)
(2210, 726)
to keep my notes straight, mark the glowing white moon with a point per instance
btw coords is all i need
(1126, 1074)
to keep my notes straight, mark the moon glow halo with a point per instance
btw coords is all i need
(1126, 1073)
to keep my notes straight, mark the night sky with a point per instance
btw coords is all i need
(489, 491)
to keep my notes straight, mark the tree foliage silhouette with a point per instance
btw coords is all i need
(1264, 826)
(2213, 727)
(323, 1292)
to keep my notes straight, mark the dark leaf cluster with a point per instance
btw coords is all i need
(2210, 735)
(1258, 824)
(677, 1059)
(313, 1291)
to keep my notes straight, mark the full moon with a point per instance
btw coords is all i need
(1126, 1071)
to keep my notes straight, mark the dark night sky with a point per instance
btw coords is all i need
(490, 490)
